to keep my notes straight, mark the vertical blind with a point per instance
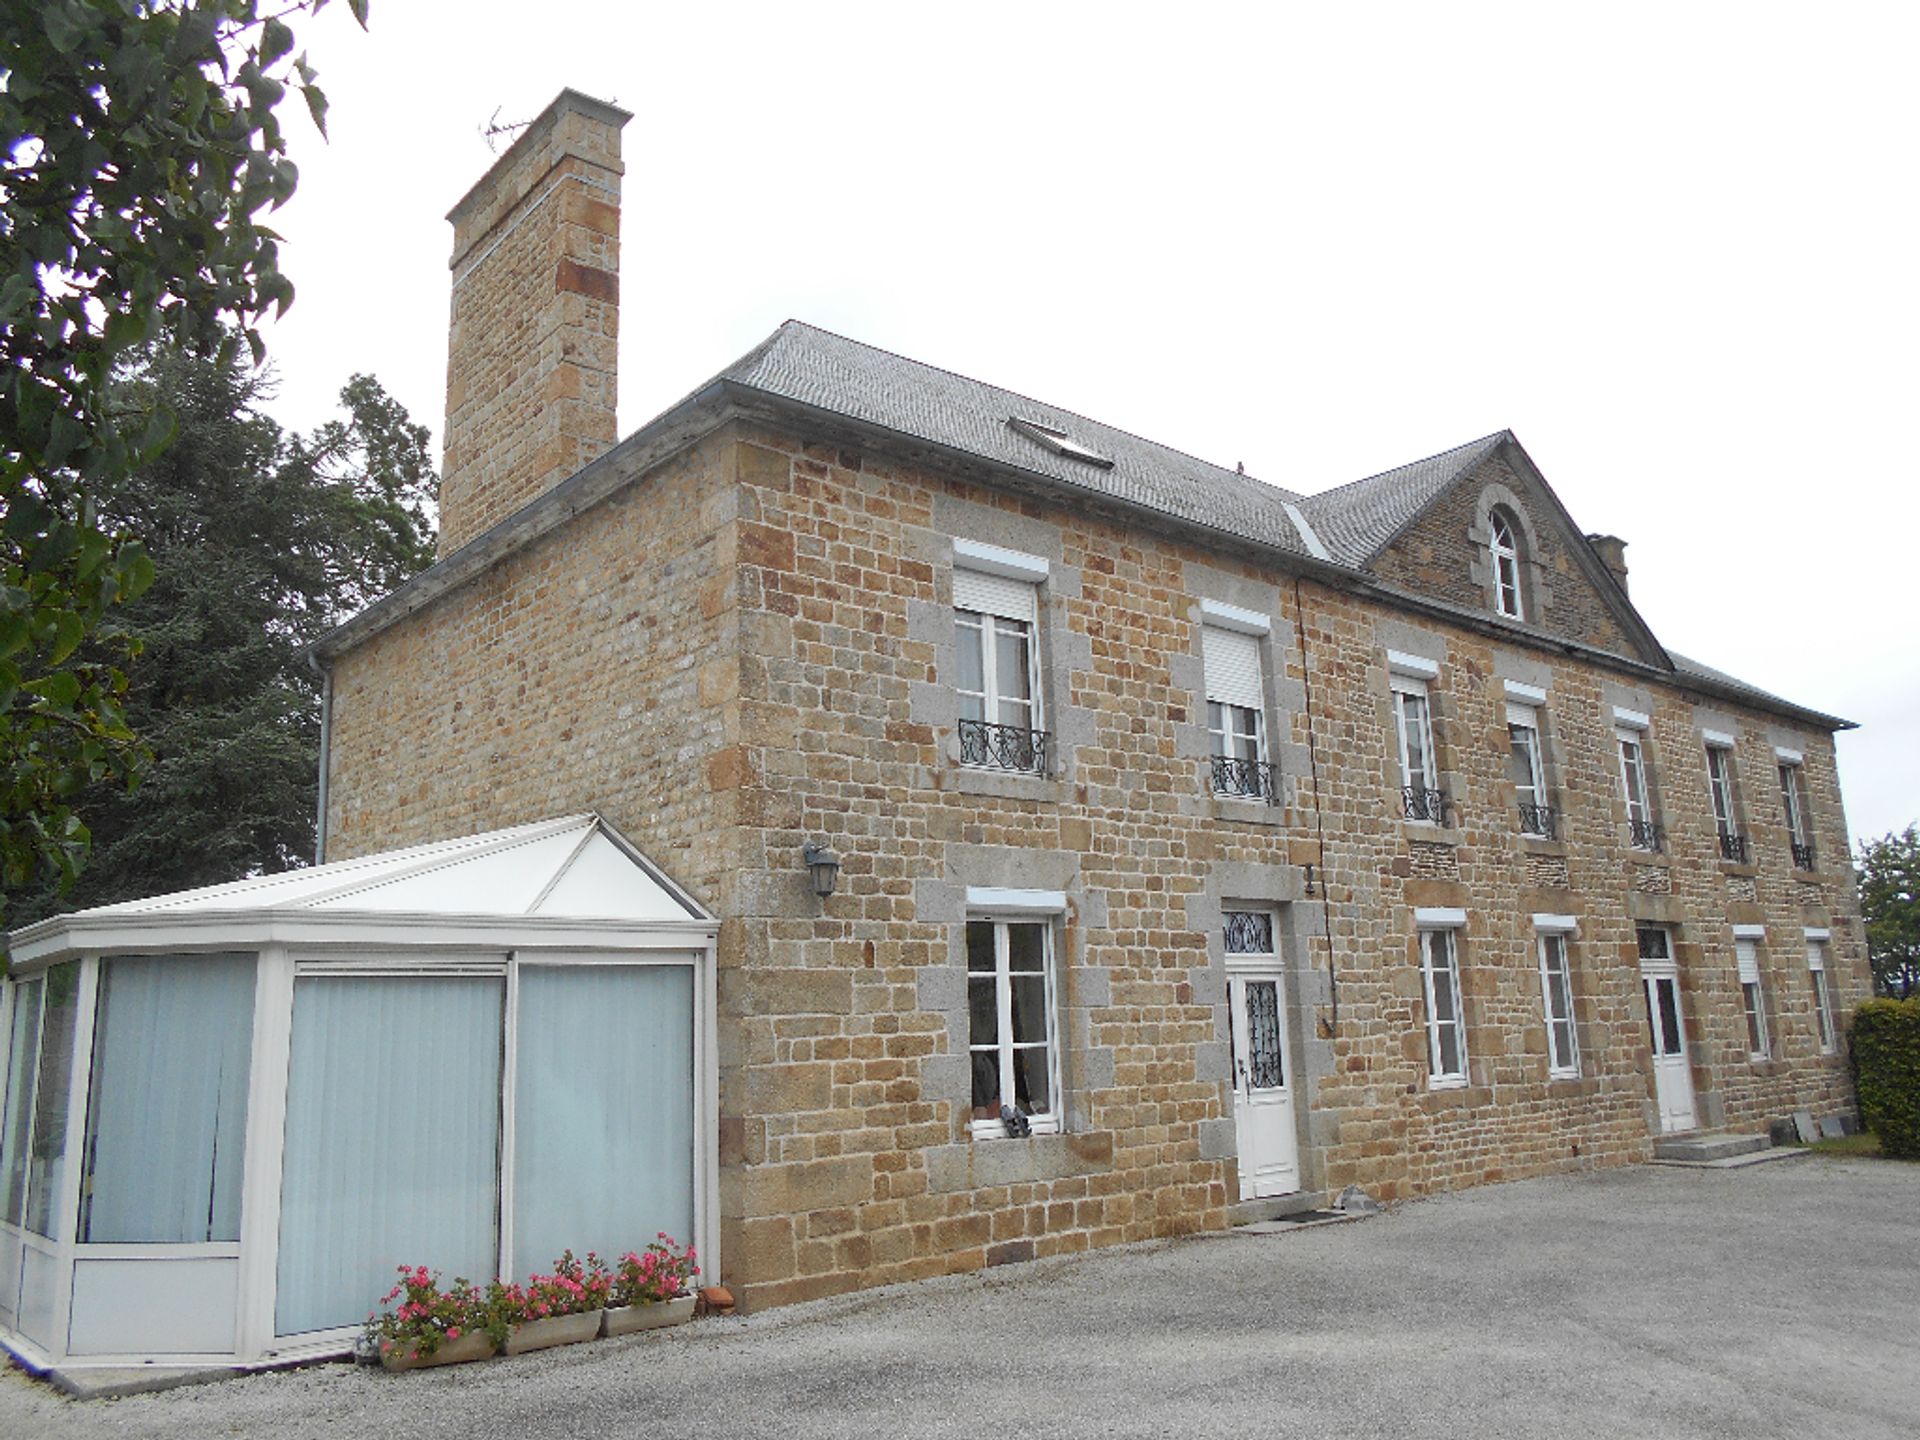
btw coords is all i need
(168, 1122)
(1233, 667)
(603, 1132)
(392, 1139)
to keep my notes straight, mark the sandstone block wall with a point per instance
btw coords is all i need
(532, 346)
(754, 646)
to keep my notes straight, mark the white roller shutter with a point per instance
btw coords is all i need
(1233, 667)
(1749, 961)
(994, 595)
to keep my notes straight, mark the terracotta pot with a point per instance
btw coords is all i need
(554, 1330)
(626, 1319)
(472, 1345)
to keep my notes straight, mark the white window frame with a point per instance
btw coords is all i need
(1630, 743)
(1438, 944)
(1408, 688)
(1047, 1122)
(1230, 717)
(1753, 996)
(1720, 788)
(1505, 550)
(1822, 995)
(997, 626)
(1527, 718)
(1550, 944)
(1793, 800)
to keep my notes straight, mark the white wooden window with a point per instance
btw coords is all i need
(1793, 804)
(1012, 1038)
(1633, 781)
(1753, 998)
(1234, 693)
(1525, 770)
(1506, 568)
(1413, 728)
(1822, 996)
(998, 684)
(1556, 992)
(1446, 1024)
(1720, 785)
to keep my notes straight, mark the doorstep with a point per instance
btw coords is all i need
(1718, 1152)
(1273, 1207)
(110, 1382)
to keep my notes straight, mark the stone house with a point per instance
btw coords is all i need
(1202, 848)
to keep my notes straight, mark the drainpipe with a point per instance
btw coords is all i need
(326, 724)
(1319, 827)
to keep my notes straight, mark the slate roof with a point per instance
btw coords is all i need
(838, 376)
(1356, 521)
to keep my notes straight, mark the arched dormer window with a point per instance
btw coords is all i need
(1506, 566)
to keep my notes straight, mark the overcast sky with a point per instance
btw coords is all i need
(1671, 246)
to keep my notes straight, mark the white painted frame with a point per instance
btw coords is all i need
(1720, 787)
(988, 627)
(1049, 1123)
(1431, 936)
(1753, 995)
(1633, 777)
(1527, 718)
(1549, 942)
(1415, 721)
(1505, 552)
(1824, 1030)
(278, 965)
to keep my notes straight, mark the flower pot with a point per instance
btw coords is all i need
(626, 1319)
(472, 1345)
(554, 1330)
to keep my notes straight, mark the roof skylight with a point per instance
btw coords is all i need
(1058, 441)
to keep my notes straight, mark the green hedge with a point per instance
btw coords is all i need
(1886, 1059)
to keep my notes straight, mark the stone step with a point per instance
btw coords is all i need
(1701, 1149)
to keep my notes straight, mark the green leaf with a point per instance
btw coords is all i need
(316, 106)
(276, 39)
(359, 9)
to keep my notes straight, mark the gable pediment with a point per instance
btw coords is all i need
(1446, 551)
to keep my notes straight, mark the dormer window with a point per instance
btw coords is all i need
(1506, 567)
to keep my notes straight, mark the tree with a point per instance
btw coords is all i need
(138, 146)
(1890, 904)
(261, 542)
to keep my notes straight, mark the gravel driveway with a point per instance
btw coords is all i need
(1782, 1299)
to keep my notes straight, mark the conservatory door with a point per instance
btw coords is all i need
(392, 1139)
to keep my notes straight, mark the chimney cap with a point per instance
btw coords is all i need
(568, 102)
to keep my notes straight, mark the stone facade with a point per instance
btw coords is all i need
(735, 633)
(751, 645)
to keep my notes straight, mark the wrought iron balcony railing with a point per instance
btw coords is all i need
(1004, 747)
(1422, 804)
(1539, 821)
(1645, 835)
(1802, 854)
(1733, 847)
(1251, 779)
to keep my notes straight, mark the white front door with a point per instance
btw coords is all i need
(1262, 1097)
(1667, 1032)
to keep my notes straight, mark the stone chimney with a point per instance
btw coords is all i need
(531, 349)
(1613, 554)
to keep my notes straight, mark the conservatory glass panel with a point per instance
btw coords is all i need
(23, 1048)
(167, 1126)
(47, 1160)
(392, 1140)
(603, 1117)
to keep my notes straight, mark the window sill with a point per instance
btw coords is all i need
(1541, 845)
(997, 1130)
(1734, 871)
(1245, 809)
(1658, 858)
(1572, 1087)
(1007, 784)
(1428, 833)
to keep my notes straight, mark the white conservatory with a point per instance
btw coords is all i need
(230, 1113)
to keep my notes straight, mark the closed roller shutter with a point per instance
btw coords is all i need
(1233, 667)
(994, 595)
